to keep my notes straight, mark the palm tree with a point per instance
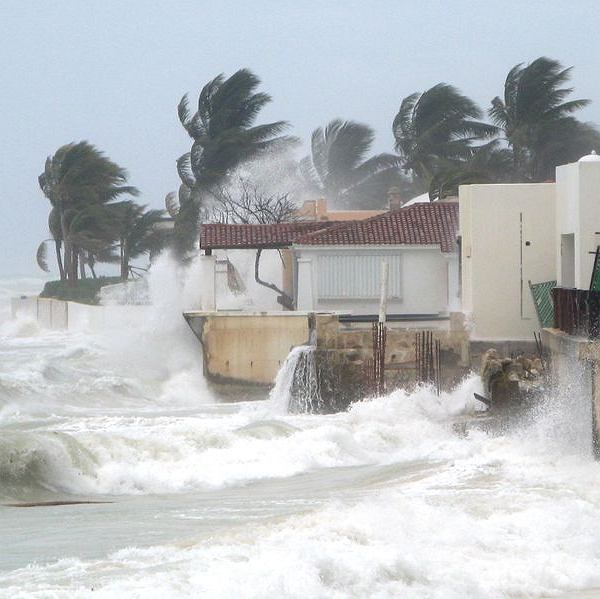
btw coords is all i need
(136, 233)
(489, 163)
(56, 233)
(437, 127)
(224, 135)
(535, 117)
(77, 180)
(338, 167)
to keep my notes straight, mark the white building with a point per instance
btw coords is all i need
(507, 240)
(515, 234)
(336, 266)
(338, 269)
(577, 233)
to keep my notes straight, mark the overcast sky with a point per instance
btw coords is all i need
(113, 71)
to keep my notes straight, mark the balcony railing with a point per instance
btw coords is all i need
(577, 312)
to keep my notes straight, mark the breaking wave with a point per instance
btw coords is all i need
(241, 499)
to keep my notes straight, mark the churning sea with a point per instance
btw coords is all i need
(196, 496)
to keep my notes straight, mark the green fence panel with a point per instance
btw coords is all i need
(542, 299)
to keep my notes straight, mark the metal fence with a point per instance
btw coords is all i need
(577, 311)
(427, 360)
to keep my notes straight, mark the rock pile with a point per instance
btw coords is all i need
(507, 381)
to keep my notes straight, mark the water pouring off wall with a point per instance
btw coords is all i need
(297, 386)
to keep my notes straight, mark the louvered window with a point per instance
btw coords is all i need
(342, 276)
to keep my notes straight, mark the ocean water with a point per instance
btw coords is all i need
(201, 497)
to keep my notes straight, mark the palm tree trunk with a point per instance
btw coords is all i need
(91, 265)
(80, 255)
(73, 273)
(59, 261)
(124, 261)
(69, 257)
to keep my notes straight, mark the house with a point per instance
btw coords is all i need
(506, 241)
(577, 232)
(338, 268)
(330, 278)
(514, 235)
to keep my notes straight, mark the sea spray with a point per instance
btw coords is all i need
(160, 346)
(248, 500)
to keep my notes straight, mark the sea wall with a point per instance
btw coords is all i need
(247, 348)
(575, 372)
(352, 345)
(60, 315)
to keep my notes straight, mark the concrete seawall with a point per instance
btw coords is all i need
(60, 315)
(247, 348)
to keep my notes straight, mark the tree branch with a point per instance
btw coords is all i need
(286, 300)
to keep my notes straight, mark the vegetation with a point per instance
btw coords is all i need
(224, 135)
(436, 130)
(339, 169)
(86, 222)
(440, 138)
(442, 142)
(535, 119)
(84, 291)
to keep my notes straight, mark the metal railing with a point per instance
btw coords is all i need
(577, 311)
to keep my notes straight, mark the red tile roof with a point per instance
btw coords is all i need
(220, 236)
(420, 224)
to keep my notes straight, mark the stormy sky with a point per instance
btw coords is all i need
(113, 71)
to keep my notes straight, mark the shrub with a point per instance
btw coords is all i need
(85, 291)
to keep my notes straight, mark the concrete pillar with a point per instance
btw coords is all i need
(221, 282)
(306, 297)
(209, 299)
(454, 304)
(596, 410)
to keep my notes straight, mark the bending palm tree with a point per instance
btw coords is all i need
(338, 167)
(77, 178)
(224, 135)
(535, 118)
(435, 128)
(136, 233)
(489, 163)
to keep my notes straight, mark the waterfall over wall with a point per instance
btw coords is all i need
(297, 386)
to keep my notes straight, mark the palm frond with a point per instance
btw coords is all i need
(184, 170)
(172, 204)
(41, 256)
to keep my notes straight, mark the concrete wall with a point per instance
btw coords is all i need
(507, 239)
(355, 347)
(58, 315)
(245, 347)
(424, 274)
(578, 214)
(575, 390)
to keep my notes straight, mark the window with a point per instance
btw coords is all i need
(356, 276)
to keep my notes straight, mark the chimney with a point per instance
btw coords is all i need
(394, 198)
(321, 212)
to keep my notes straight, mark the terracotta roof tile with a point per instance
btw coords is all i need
(420, 224)
(225, 236)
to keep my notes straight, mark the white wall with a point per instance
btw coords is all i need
(578, 213)
(424, 273)
(496, 222)
(59, 315)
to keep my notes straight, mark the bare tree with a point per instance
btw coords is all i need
(246, 203)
